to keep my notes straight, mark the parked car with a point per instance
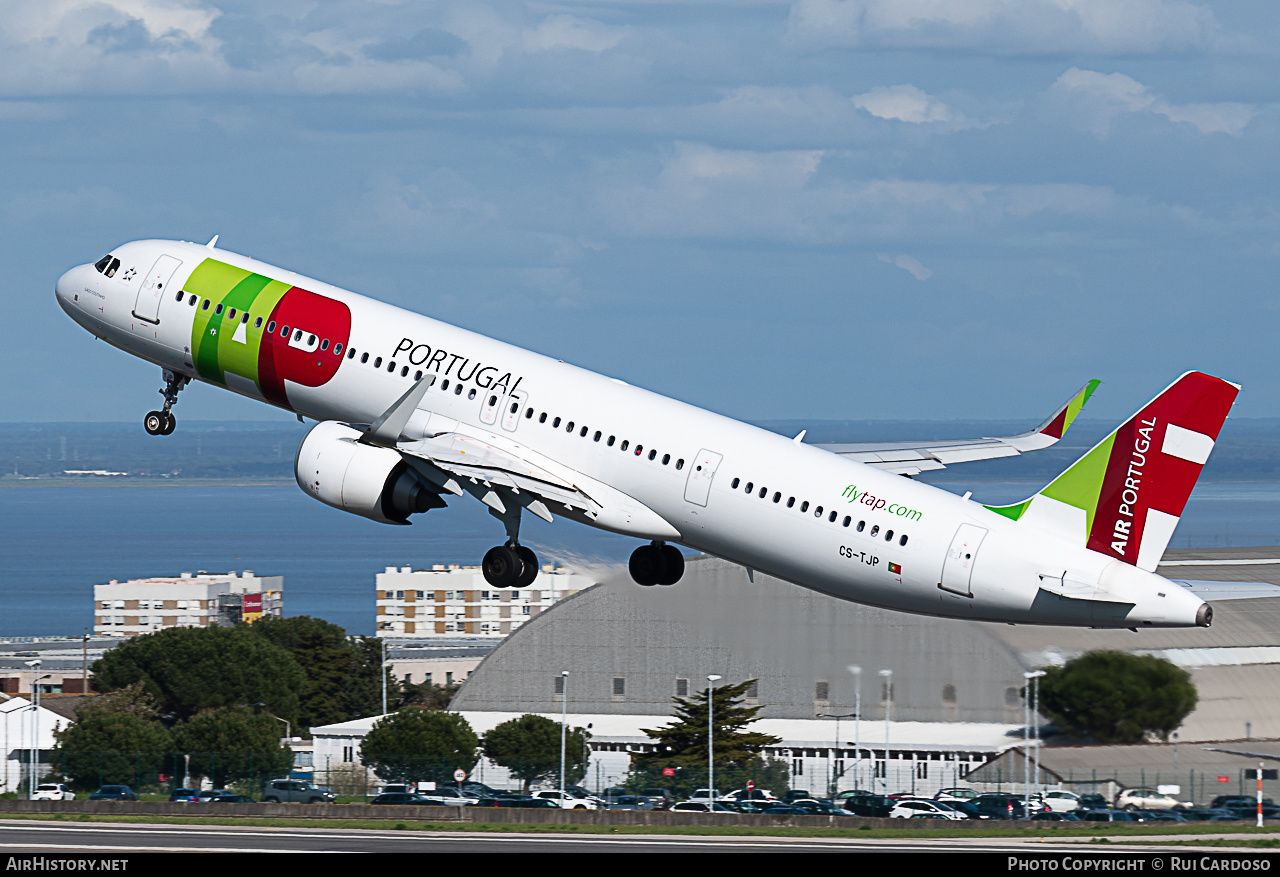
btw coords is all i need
(53, 792)
(207, 794)
(661, 799)
(1055, 816)
(568, 802)
(1061, 800)
(400, 798)
(630, 802)
(447, 796)
(518, 802)
(184, 795)
(956, 794)
(997, 806)
(230, 798)
(701, 807)
(287, 791)
(868, 805)
(114, 793)
(1147, 799)
(1107, 816)
(913, 808)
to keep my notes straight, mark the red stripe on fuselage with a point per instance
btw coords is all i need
(278, 361)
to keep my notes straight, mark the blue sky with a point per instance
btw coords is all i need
(826, 208)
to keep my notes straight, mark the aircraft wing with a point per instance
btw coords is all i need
(912, 458)
(1212, 592)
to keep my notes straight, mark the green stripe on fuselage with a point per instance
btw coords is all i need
(213, 336)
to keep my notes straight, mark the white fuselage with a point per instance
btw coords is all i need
(783, 526)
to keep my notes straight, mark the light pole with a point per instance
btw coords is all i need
(35, 726)
(887, 676)
(711, 744)
(857, 721)
(383, 667)
(833, 779)
(564, 718)
(1031, 706)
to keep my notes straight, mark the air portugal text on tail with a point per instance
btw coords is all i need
(1123, 498)
(406, 425)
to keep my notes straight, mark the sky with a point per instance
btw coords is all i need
(828, 209)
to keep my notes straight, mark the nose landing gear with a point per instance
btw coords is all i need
(163, 422)
(656, 564)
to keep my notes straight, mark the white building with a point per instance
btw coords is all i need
(456, 600)
(203, 600)
(21, 724)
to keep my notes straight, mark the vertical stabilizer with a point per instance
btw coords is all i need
(1123, 498)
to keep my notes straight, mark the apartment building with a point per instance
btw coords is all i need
(201, 600)
(455, 600)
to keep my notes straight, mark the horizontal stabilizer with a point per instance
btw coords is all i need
(1212, 592)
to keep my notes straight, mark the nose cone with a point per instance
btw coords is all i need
(67, 286)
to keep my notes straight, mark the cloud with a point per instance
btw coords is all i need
(1005, 26)
(1093, 101)
(906, 103)
(908, 264)
(566, 32)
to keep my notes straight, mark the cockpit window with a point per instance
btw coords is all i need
(108, 265)
(102, 263)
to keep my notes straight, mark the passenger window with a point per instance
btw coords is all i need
(377, 362)
(847, 520)
(624, 444)
(610, 442)
(192, 301)
(217, 311)
(777, 496)
(515, 407)
(582, 433)
(324, 345)
(736, 482)
(457, 390)
(205, 306)
(832, 517)
(284, 331)
(493, 400)
(179, 296)
(404, 371)
(875, 528)
(791, 500)
(861, 526)
(271, 328)
(311, 339)
(231, 314)
(750, 487)
(817, 513)
(528, 415)
(652, 454)
(903, 540)
(804, 506)
(542, 418)
(257, 324)
(364, 357)
(764, 492)
(471, 395)
(569, 428)
(888, 536)
(417, 376)
(680, 463)
(555, 424)
(297, 336)
(596, 437)
(639, 449)
(666, 458)
(444, 386)
(351, 353)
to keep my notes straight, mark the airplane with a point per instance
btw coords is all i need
(411, 410)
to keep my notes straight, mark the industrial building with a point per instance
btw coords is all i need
(453, 600)
(201, 600)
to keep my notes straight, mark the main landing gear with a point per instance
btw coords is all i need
(162, 422)
(511, 565)
(656, 564)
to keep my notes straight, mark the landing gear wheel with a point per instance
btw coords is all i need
(646, 565)
(502, 566)
(155, 422)
(672, 565)
(170, 423)
(530, 562)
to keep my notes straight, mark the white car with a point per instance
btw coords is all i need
(1148, 799)
(568, 802)
(1060, 800)
(918, 808)
(700, 807)
(53, 792)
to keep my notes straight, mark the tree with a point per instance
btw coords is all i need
(232, 743)
(330, 659)
(424, 694)
(413, 745)
(1116, 697)
(189, 669)
(529, 747)
(104, 746)
(361, 694)
(683, 744)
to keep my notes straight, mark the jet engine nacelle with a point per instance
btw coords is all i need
(333, 466)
